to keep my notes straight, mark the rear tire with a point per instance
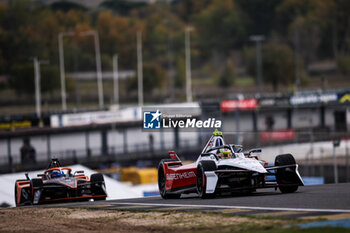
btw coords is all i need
(98, 186)
(202, 167)
(286, 176)
(162, 181)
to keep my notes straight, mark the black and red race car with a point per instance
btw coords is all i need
(58, 184)
(225, 168)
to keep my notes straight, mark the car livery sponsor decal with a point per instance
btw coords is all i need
(183, 175)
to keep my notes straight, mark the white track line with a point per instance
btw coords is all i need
(234, 207)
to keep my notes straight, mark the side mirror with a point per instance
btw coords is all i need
(254, 151)
(78, 172)
(27, 176)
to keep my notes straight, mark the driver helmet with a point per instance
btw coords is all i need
(55, 174)
(225, 154)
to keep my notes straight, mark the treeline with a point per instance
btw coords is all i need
(220, 39)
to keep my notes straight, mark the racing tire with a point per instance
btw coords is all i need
(201, 183)
(35, 184)
(286, 176)
(162, 181)
(25, 197)
(98, 186)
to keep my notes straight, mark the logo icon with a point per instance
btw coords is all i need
(151, 120)
(345, 98)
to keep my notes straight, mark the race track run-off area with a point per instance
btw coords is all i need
(326, 207)
(329, 201)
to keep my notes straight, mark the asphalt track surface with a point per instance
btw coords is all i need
(315, 200)
(326, 197)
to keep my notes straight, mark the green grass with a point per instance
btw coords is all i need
(306, 230)
(244, 81)
(239, 81)
(205, 81)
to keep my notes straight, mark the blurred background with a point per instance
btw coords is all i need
(74, 75)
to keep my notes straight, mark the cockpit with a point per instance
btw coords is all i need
(217, 147)
(225, 152)
(54, 173)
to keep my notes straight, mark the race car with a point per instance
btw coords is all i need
(58, 184)
(225, 168)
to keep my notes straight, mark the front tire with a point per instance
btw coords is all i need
(162, 181)
(202, 167)
(98, 186)
(25, 197)
(286, 177)
(36, 186)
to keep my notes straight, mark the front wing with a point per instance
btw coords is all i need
(57, 193)
(258, 180)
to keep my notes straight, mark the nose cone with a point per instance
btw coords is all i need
(244, 163)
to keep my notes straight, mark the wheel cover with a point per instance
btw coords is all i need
(16, 194)
(161, 182)
(200, 181)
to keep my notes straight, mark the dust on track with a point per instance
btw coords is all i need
(78, 220)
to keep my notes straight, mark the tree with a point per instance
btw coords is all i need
(228, 75)
(118, 35)
(180, 77)
(260, 15)
(306, 35)
(331, 18)
(50, 78)
(220, 27)
(122, 7)
(22, 78)
(277, 64)
(288, 10)
(15, 44)
(153, 77)
(186, 9)
(66, 6)
(70, 19)
(343, 64)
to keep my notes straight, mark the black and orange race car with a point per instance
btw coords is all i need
(58, 184)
